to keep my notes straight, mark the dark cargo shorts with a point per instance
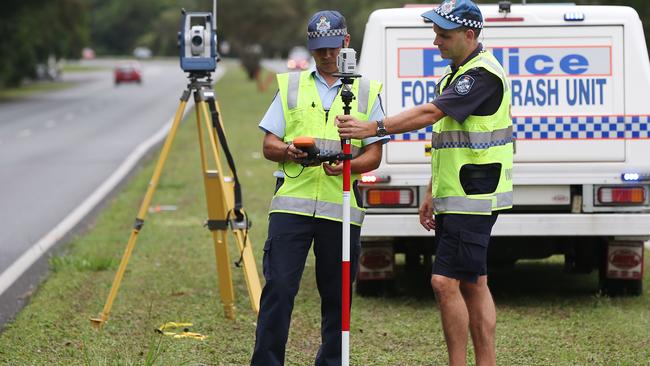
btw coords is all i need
(462, 242)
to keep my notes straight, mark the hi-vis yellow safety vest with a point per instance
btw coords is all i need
(478, 140)
(313, 193)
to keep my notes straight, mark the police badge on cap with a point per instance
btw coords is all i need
(448, 6)
(452, 14)
(323, 25)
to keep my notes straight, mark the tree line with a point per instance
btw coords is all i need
(31, 31)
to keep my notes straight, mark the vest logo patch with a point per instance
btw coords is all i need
(464, 84)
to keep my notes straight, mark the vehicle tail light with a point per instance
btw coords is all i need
(621, 195)
(389, 197)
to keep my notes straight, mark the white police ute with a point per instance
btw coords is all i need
(580, 81)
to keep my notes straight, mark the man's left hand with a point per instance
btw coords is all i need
(352, 128)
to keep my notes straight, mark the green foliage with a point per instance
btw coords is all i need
(32, 31)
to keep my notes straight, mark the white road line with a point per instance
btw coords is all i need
(11, 274)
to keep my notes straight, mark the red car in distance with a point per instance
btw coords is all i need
(128, 72)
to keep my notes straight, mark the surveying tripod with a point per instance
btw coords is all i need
(223, 196)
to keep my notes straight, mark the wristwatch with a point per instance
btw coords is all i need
(381, 130)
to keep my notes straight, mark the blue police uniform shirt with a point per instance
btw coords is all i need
(273, 121)
(482, 98)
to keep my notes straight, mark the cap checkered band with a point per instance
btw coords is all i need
(459, 20)
(327, 33)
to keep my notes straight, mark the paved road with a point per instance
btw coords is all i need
(57, 148)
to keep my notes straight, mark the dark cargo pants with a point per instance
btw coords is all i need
(285, 252)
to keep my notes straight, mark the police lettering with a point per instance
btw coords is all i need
(417, 92)
(552, 92)
(517, 64)
(540, 64)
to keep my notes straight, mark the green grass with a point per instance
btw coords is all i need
(77, 67)
(33, 88)
(545, 317)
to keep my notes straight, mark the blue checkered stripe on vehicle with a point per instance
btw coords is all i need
(558, 128)
(583, 127)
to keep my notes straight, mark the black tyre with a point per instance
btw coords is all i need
(615, 287)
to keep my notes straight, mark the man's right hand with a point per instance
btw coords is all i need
(352, 128)
(295, 154)
(426, 214)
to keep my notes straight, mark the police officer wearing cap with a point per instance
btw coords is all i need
(471, 163)
(307, 205)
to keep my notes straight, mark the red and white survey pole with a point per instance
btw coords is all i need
(345, 269)
(346, 62)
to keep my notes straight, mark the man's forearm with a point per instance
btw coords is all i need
(368, 160)
(413, 118)
(274, 149)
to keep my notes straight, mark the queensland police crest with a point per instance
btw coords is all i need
(323, 25)
(464, 84)
(448, 6)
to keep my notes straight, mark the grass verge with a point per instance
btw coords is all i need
(78, 67)
(544, 316)
(33, 88)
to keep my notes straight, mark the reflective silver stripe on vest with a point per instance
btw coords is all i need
(335, 211)
(471, 140)
(292, 91)
(462, 204)
(316, 208)
(498, 69)
(328, 147)
(504, 199)
(364, 95)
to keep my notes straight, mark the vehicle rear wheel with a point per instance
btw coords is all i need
(614, 287)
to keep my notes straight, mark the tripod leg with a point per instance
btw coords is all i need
(139, 221)
(220, 200)
(250, 269)
(243, 241)
(217, 213)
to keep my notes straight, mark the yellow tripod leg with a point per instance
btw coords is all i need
(217, 212)
(246, 249)
(139, 221)
(250, 270)
(220, 200)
